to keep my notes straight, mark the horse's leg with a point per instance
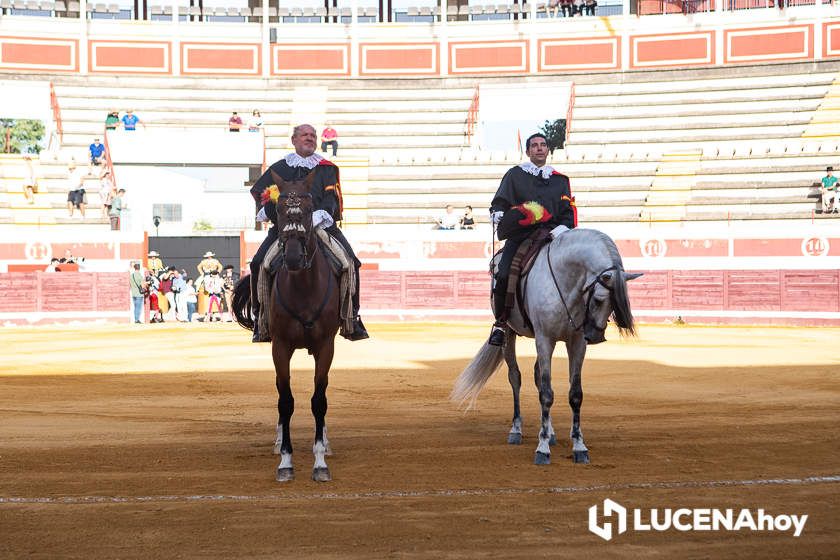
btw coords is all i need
(545, 349)
(576, 349)
(552, 437)
(515, 379)
(286, 407)
(323, 361)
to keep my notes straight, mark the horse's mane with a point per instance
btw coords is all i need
(609, 245)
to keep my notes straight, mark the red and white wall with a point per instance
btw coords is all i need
(461, 49)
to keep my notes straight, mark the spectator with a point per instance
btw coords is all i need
(115, 212)
(137, 291)
(449, 220)
(255, 122)
(130, 120)
(30, 180)
(554, 6)
(76, 198)
(230, 278)
(191, 297)
(467, 220)
(234, 122)
(68, 257)
(577, 8)
(53, 266)
(590, 6)
(154, 262)
(165, 288)
(568, 7)
(828, 192)
(97, 152)
(106, 192)
(208, 264)
(329, 137)
(153, 284)
(112, 121)
(214, 285)
(178, 287)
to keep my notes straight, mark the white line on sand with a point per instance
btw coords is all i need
(417, 494)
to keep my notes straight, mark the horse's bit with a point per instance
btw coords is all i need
(589, 288)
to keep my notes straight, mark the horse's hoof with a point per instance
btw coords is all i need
(581, 457)
(515, 439)
(285, 474)
(552, 440)
(542, 458)
(321, 474)
(276, 450)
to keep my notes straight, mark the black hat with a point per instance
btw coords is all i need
(521, 217)
(829, 168)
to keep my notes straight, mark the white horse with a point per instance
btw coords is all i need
(576, 283)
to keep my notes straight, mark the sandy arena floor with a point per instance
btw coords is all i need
(155, 442)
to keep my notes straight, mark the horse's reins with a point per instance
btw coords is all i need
(589, 288)
(307, 263)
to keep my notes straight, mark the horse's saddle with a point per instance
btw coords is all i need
(523, 261)
(340, 263)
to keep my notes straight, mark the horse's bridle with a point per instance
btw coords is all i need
(292, 202)
(589, 288)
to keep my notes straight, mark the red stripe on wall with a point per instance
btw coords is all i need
(19, 53)
(131, 57)
(421, 58)
(220, 59)
(488, 57)
(310, 59)
(783, 42)
(672, 49)
(576, 54)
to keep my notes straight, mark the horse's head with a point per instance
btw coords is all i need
(294, 220)
(607, 295)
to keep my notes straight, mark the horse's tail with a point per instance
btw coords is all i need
(475, 375)
(242, 303)
(622, 313)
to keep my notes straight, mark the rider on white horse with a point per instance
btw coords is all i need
(534, 195)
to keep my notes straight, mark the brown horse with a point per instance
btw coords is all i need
(303, 313)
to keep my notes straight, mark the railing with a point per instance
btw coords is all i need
(659, 7)
(569, 112)
(56, 111)
(472, 117)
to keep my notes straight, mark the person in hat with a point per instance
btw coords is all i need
(130, 121)
(531, 195)
(828, 192)
(209, 264)
(154, 264)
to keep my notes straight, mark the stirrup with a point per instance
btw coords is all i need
(359, 330)
(497, 336)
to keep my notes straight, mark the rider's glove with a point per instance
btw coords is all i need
(496, 217)
(322, 219)
(261, 217)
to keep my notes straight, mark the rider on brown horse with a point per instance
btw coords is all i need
(326, 196)
(531, 195)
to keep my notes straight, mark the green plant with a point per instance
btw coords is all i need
(555, 133)
(202, 225)
(25, 135)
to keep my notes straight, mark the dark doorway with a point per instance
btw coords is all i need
(186, 252)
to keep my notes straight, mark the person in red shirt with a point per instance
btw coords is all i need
(329, 137)
(234, 122)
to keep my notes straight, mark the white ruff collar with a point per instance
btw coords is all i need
(529, 167)
(294, 160)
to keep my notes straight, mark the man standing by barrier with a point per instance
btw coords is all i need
(137, 285)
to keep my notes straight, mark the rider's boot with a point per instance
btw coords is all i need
(359, 330)
(497, 333)
(258, 336)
